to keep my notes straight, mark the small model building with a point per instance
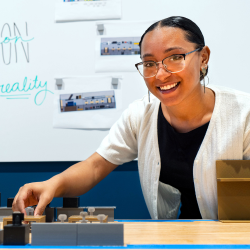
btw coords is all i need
(61, 233)
(37, 218)
(16, 233)
(78, 234)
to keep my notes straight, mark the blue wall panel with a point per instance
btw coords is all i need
(121, 188)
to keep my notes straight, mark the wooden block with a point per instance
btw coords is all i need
(233, 190)
(233, 169)
(38, 219)
(76, 218)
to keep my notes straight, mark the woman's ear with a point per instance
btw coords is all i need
(205, 54)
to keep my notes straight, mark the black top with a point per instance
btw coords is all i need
(178, 151)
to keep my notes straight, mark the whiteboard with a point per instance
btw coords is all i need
(68, 48)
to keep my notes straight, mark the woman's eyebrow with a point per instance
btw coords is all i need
(167, 50)
(172, 48)
(145, 55)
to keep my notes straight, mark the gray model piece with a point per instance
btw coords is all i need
(100, 234)
(29, 211)
(54, 234)
(1, 236)
(83, 215)
(105, 210)
(5, 212)
(69, 211)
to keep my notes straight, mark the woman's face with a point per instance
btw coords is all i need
(166, 41)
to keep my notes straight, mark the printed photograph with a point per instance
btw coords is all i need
(87, 101)
(120, 46)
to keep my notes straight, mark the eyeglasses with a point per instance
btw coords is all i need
(172, 64)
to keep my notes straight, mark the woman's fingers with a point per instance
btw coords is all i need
(32, 194)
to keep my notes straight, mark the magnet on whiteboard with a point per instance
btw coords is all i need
(115, 81)
(59, 83)
(100, 28)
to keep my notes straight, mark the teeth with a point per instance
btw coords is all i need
(168, 86)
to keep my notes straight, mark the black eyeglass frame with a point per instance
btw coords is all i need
(156, 63)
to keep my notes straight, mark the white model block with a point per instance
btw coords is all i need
(54, 234)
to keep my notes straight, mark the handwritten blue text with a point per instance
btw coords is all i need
(24, 87)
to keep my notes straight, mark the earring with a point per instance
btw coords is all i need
(204, 71)
(148, 96)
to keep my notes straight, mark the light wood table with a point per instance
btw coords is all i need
(196, 232)
(162, 234)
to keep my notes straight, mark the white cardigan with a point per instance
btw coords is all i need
(135, 135)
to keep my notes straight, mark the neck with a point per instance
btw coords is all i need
(192, 112)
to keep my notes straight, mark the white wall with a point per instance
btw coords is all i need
(26, 132)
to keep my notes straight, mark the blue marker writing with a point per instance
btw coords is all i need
(25, 87)
(8, 39)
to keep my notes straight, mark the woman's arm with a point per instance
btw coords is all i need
(119, 146)
(76, 180)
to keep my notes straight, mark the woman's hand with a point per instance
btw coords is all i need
(74, 181)
(37, 193)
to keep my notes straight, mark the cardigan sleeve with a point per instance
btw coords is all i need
(120, 145)
(246, 139)
(246, 146)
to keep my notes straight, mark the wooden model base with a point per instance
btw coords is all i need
(233, 190)
(76, 218)
(42, 218)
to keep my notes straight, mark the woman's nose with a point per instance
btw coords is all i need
(162, 73)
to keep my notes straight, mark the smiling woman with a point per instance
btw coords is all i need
(177, 136)
(175, 60)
